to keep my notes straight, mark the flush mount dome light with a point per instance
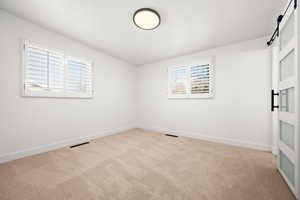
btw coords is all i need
(146, 19)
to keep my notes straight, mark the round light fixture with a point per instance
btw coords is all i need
(146, 19)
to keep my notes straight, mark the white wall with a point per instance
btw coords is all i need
(32, 125)
(239, 114)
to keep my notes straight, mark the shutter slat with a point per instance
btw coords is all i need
(178, 81)
(44, 69)
(200, 78)
(79, 77)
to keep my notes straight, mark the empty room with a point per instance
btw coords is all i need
(149, 100)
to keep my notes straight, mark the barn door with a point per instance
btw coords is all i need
(288, 99)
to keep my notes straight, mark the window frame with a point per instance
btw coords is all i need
(188, 66)
(51, 94)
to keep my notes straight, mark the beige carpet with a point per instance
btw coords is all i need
(142, 165)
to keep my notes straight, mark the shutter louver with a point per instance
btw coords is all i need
(79, 77)
(200, 79)
(191, 81)
(56, 73)
(44, 70)
(179, 84)
(49, 73)
(36, 70)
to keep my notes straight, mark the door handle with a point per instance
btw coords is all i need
(273, 94)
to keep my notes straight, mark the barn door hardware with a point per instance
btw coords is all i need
(273, 94)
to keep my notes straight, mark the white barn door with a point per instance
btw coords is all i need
(289, 108)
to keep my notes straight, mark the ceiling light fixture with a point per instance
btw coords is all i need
(146, 19)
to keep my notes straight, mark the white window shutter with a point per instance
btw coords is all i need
(36, 69)
(56, 72)
(178, 82)
(200, 79)
(48, 73)
(191, 81)
(79, 78)
(43, 70)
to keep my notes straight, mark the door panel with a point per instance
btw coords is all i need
(287, 100)
(287, 33)
(286, 66)
(288, 113)
(287, 134)
(288, 167)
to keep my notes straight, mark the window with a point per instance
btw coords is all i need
(49, 73)
(79, 76)
(178, 81)
(193, 81)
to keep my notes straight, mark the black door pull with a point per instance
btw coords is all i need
(273, 94)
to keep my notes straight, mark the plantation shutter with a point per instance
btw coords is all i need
(79, 78)
(44, 70)
(178, 84)
(47, 73)
(200, 79)
(56, 72)
(191, 81)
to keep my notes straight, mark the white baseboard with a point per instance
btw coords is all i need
(64, 143)
(232, 142)
(60, 144)
(275, 150)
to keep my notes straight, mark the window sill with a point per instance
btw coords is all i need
(196, 96)
(43, 94)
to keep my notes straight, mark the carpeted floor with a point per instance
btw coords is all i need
(142, 165)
